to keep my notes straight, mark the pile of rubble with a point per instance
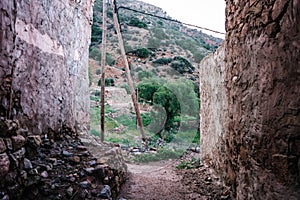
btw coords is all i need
(56, 166)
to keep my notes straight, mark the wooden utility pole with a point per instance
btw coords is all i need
(127, 70)
(103, 63)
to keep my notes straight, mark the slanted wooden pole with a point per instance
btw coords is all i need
(127, 70)
(103, 63)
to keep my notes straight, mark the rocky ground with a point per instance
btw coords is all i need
(57, 166)
(162, 181)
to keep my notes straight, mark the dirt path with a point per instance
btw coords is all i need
(162, 181)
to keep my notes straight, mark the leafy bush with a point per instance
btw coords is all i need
(191, 164)
(163, 61)
(147, 90)
(108, 82)
(182, 65)
(178, 66)
(98, 71)
(142, 53)
(96, 34)
(144, 74)
(198, 57)
(137, 23)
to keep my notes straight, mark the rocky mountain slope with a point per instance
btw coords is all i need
(157, 38)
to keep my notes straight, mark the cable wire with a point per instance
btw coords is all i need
(165, 18)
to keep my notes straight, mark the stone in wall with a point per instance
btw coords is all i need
(44, 63)
(213, 108)
(262, 80)
(39, 167)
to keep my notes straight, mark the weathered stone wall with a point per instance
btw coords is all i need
(263, 94)
(44, 63)
(213, 107)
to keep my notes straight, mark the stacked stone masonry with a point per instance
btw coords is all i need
(57, 166)
(44, 63)
(258, 152)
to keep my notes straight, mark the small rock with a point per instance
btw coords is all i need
(93, 163)
(209, 179)
(89, 170)
(84, 184)
(34, 141)
(44, 174)
(70, 191)
(81, 147)
(75, 159)
(4, 164)
(15, 162)
(66, 153)
(20, 154)
(8, 143)
(106, 180)
(2, 146)
(53, 161)
(33, 172)
(197, 149)
(18, 142)
(84, 153)
(225, 197)
(105, 193)
(27, 164)
(99, 171)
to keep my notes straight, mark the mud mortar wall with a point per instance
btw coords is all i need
(213, 108)
(263, 94)
(44, 63)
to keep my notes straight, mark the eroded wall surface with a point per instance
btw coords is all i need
(44, 63)
(263, 94)
(252, 138)
(213, 108)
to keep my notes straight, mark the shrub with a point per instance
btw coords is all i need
(144, 74)
(108, 82)
(191, 164)
(137, 23)
(98, 71)
(142, 53)
(198, 57)
(163, 61)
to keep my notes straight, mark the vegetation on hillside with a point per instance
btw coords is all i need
(163, 58)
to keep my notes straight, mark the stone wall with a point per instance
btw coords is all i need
(60, 167)
(213, 107)
(44, 63)
(253, 140)
(263, 94)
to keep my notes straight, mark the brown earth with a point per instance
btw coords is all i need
(162, 181)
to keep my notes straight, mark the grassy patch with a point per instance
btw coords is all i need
(191, 164)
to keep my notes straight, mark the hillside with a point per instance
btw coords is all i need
(163, 56)
(162, 38)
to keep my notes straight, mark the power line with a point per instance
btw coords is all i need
(164, 18)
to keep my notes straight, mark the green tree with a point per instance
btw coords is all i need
(142, 53)
(167, 99)
(147, 90)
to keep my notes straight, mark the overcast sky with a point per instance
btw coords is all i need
(205, 13)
